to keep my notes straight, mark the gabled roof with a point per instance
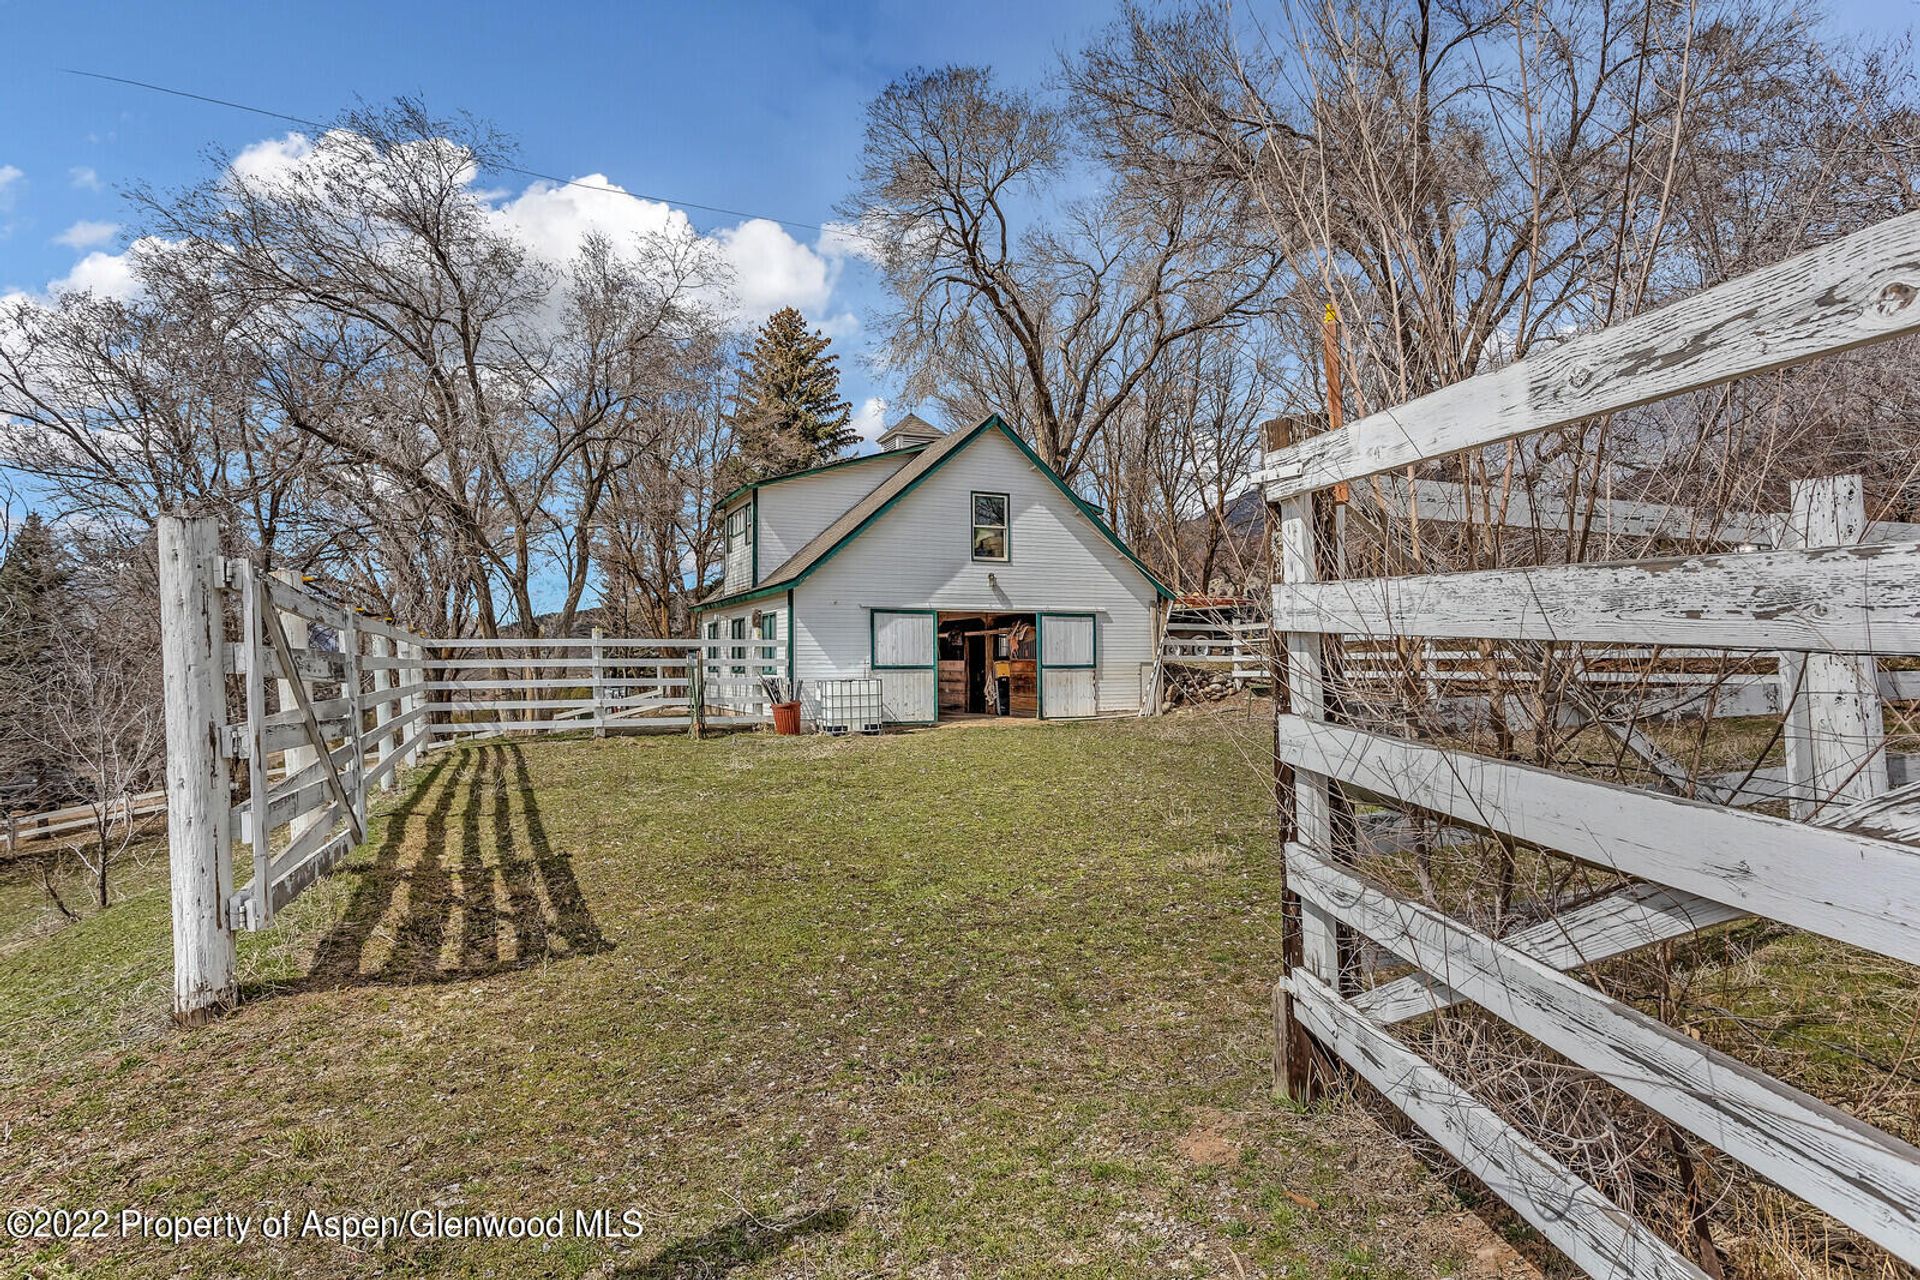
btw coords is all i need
(854, 520)
(911, 427)
(751, 485)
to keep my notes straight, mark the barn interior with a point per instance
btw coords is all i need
(987, 665)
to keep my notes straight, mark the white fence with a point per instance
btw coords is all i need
(598, 683)
(1827, 594)
(328, 705)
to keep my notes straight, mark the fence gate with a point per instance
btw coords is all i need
(328, 704)
(1815, 605)
(310, 675)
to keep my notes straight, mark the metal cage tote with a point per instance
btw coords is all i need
(849, 706)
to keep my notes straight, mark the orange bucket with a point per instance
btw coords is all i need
(786, 717)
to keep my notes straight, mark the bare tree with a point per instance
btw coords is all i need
(1007, 296)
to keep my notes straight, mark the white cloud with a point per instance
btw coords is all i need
(773, 270)
(111, 275)
(86, 234)
(10, 178)
(870, 420)
(770, 268)
(271, 158)
(846, 240)
(554, 220)
(83, 178)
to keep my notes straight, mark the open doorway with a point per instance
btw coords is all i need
(988, 665)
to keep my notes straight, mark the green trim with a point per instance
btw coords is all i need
(873, 647)
(1086, 508)
(753, 542)
(1006, 528)
(814, 471)
(790, 679)
(993, 421)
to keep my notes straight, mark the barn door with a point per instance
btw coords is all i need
(1069, 672)
(904, 660)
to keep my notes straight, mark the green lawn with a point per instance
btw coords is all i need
(987, 1000)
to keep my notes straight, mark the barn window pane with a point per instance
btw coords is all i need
(989, 526)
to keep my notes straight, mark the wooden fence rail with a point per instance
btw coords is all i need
(1792, 612)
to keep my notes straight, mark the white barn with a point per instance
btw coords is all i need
(957, 569)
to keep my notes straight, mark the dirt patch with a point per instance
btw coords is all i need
(1213, 1139)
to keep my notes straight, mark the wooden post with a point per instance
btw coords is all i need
(697, 689)
(253, 604)
(294, 759)
(416, 675)
(192, 634)
(1300, 800)
(384, 710)
(599, 684)
(1835, 735)
(356, 778)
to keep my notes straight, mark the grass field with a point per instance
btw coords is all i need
(987, 1000)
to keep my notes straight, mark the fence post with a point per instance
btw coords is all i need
(200, 856)
(1835, 734)
(414, 701)
(1302, 800)
(356, 744)
(697, 690)
(599, 685)
(383, 710)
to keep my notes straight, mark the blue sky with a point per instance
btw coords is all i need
(752, 106)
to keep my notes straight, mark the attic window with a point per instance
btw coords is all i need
(740, 528)
(989, 526)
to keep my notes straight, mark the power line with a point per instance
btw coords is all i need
(502, 168)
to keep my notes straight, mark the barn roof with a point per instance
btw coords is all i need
(855, 519)
(763, 482)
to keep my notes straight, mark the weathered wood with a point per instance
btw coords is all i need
(1867, 1179)
(1307, 696)
(599, 679)
(1858, 289)
(1596, 1234)
(256, 906)
(288, 596)
(409, 749)
(1858, 599)
(384, 703)
(200, 855)
(565, 642)
(1445, 502)
(355, 780)
(1851, 887)
(1623, 922)
(1836, 746)
(277, 637)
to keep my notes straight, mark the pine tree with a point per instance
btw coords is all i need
(788, 413)
(33, 599)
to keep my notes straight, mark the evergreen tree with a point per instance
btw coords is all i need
(788, 413)
(34, 598)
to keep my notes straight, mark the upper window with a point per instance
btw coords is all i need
(989, 526)
(740, 527)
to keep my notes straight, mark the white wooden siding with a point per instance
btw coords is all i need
(919, 555)
(739, 552)
(793, 512)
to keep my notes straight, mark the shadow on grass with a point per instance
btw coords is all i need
(439, 905)
(736, 1242)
